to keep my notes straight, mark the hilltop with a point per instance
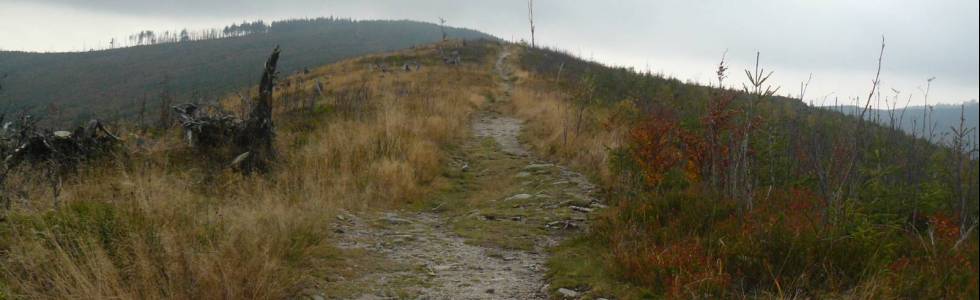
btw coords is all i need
(73, 87)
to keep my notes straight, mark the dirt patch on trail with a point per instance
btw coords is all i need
(503, 130)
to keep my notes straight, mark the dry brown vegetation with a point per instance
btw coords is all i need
(163, 221)
(551, 128)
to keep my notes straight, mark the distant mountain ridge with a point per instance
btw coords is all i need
(110, 84)
(942, 117)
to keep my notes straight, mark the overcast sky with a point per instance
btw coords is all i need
(837, 41)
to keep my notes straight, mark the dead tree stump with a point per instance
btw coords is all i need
(258, 135)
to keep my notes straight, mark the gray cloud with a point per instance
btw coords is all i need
(835, 40)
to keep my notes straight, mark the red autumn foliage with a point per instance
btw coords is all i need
(657, 144)
(944, 228)
(680, 268)
(719, 131)
(687, 241)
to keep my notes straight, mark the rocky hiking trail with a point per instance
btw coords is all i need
(486, 238)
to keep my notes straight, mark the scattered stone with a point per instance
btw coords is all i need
(598, 205)
(534, 167)
(564, 224)
(393, 219)
(312, 294)
(533, 267)
(544, 289)
(567, 293)
(523, 174)
(581, 209)
(442, 268)
(62, 134)
(518, 197)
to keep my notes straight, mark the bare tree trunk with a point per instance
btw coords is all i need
(558, 76)
(258, 135)
(841, 190)
(962, 152)
(319, 93)
(530, 18)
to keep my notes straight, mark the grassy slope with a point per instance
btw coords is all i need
(164, 222)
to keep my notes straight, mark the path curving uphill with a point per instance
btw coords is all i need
(492, 244)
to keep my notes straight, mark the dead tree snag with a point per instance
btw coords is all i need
(251, 140)
(258, 135)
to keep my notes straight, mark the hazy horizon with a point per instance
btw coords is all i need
(836, 41)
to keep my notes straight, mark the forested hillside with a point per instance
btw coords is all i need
(180, 67)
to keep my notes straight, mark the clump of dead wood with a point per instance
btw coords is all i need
(251, 140)
(53, 154)
(21, 141)
(451, 58)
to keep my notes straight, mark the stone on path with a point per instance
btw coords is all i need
(567, 293)
(393, 219)
(519, 197)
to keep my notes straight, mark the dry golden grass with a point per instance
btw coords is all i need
(155, 223)
(551, 117)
